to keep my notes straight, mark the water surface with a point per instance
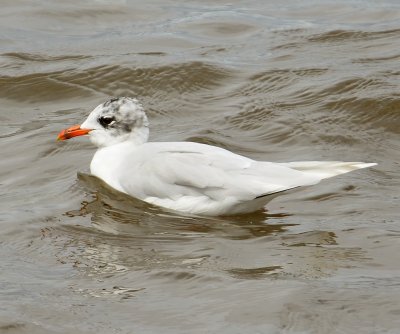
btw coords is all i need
(310, 80)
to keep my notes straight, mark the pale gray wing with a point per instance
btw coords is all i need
(190, 169)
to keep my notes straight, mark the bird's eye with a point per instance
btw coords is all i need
(105, 121)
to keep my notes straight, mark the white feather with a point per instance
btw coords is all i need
(203, 179)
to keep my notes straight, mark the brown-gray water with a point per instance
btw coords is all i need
(277, 81)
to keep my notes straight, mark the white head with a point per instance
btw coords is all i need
(115, 121)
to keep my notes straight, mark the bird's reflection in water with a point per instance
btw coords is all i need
(125, 233)
(116, 213)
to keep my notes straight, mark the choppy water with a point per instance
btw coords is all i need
(310, 80)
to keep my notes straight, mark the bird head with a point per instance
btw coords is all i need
(114, 121)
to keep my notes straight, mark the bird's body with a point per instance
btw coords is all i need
(185, 176)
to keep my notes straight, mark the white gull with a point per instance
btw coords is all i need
(185, 176)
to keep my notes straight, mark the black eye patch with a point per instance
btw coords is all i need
(105, 121)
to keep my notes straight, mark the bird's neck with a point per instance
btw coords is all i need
(139, 136)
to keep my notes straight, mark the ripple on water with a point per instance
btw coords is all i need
(351, 35)
(113, 80)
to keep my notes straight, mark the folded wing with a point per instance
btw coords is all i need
(191, 170)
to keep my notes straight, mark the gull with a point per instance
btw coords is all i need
(188, 177)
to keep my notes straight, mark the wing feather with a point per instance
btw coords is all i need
(196, 170)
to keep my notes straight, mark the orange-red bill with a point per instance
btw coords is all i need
(72, 131)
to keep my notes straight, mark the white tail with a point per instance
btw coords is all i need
(327, 169)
